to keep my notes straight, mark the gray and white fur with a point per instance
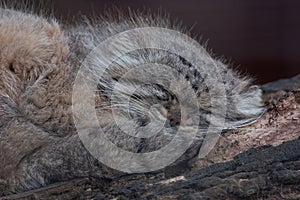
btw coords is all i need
(39, 61)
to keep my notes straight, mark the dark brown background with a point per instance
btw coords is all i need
(261, 37)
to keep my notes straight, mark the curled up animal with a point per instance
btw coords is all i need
(109, 96)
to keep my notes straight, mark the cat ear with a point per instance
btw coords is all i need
(248, 108)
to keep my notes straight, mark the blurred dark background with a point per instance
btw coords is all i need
(260, 37)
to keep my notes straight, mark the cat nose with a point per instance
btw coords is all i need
(174, 121)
